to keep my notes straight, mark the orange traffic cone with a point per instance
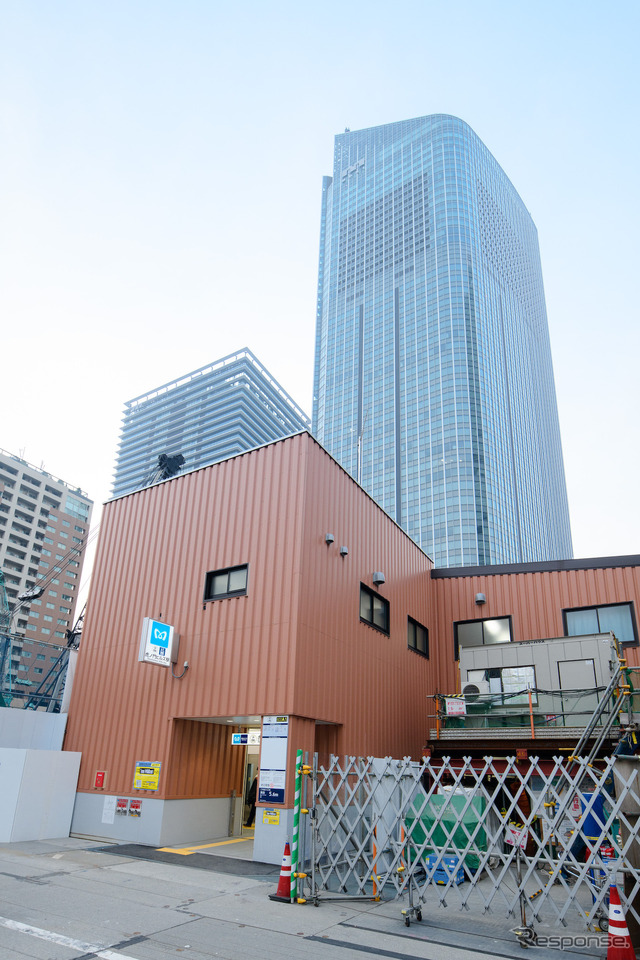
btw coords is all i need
(283, 893)
(620, 946)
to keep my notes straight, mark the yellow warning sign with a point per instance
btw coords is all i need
(271, 816)
(147, 775)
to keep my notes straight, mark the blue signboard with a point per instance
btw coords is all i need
(156, 642)
(271, 795)
(160, 633)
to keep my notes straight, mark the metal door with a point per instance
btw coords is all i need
(576, 677)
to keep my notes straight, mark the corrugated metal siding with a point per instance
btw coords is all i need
(295, 643)
(200, 756)
(155, 549)
(347, 672)
(535, 602)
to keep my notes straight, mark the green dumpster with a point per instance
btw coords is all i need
(437, 820)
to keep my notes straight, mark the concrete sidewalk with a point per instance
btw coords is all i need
(72, 899)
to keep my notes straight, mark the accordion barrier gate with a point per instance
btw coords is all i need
(541, 841)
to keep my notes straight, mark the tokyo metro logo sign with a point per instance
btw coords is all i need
(159, 636)
(156, 642)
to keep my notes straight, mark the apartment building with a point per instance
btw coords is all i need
(44, 524)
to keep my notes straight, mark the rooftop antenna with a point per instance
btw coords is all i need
(167, 466)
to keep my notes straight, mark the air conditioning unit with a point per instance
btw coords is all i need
(473, 689)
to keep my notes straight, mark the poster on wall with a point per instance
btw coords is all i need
(273, 759)
(147, 775)
(108, 809)
(135, 808)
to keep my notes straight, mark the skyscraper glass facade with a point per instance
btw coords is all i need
(218, 411)
(433, 382)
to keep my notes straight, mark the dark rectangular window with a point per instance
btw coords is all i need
(417, 637)
(617, 617)
(475, 633)
(374, 609)
(231, 582)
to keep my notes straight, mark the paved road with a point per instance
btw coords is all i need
(71, 899)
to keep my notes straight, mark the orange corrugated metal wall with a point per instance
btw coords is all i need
(295, 643)
(155, 548)
(200, 756)
(534, 600)
(347, 672)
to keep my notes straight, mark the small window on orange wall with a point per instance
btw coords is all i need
(417, 637)
(374, 609)
(230, 582)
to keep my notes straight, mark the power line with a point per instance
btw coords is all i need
(61, 566)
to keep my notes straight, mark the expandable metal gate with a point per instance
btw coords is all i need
(544, 842)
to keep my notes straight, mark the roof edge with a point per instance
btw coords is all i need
(545, 566)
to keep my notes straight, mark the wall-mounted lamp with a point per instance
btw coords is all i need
(480, 598)
(378, 578)
(179, 676)
(328, 538)
(344, 551)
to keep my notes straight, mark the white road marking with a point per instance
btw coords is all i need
(59, 938)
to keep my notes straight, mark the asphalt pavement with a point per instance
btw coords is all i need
(73, 899)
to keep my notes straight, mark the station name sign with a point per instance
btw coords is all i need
(158, 643)
(245, 739)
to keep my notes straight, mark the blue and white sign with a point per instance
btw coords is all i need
(157, 643)
(271, 794)
(246, 739)
(273, 759)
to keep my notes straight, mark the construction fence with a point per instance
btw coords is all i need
(32, 673)
(538, 840)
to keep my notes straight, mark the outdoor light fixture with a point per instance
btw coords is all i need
(328, 538)
(378, 578)
(344, 551)
(480, 598)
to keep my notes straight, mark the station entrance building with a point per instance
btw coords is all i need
(303, 613)
(266, 604)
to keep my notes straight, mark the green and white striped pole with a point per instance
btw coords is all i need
(296, 828)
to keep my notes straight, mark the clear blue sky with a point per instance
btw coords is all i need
(160, 181)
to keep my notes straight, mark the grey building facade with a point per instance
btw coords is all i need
(213, 413)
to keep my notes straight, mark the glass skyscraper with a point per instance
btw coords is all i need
(433, 382)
